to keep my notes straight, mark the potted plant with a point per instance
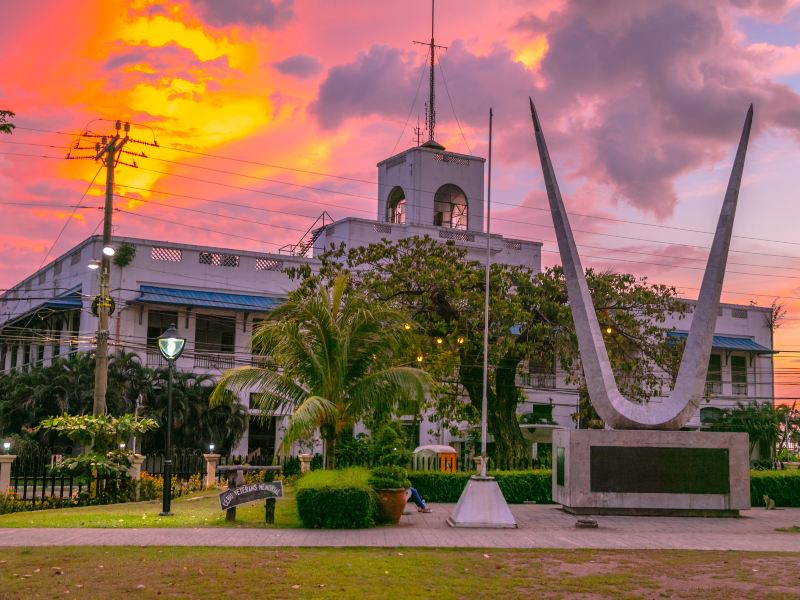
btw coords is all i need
(390, 485)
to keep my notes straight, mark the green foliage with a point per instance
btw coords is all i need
(340, 499)
(517, 486)
(388, 446)
(782, 486)
(291, 466)
(334, 357)
(389, 478)
(66, 386)
(761, 421)
(530, 321)
(103, 434)
(124, 254)
(151, 487)
(6, 126)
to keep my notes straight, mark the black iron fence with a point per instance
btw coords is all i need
(35, 479)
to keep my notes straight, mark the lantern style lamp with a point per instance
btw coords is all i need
(171, 346)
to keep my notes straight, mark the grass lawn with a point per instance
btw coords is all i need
(198, 510)
(393, 573)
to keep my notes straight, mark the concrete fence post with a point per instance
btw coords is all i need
(305, 462)
(5, 471)
(212, 460)
(135, 473)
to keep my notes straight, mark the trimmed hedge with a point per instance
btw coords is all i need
(525, 486)
(336, 499)
(782, 486)
(517, 486)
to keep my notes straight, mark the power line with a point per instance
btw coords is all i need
(513, 205)
(58, 237)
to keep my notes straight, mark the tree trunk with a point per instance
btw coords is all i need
(509, 445)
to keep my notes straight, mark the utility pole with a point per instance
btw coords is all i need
(108, 151)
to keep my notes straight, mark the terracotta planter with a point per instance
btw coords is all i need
(391, 503)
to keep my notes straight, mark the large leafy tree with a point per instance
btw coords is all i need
(6, 126)
(332, 356)
(529, 320)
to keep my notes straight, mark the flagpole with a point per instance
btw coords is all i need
(485, 402)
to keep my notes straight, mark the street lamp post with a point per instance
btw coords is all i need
(171, 346)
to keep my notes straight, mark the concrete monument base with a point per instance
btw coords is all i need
(646, 472)
(482, 505)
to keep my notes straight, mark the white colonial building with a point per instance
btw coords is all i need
(216, 295)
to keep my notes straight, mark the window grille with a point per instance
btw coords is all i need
(269, 264)
(218, 259)
(513, 245)
(166, 254)
(454, 234)
(378, 228)
(739, 313)
(448, 158)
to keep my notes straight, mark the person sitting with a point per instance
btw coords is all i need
(417, 499)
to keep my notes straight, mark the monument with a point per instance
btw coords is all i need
(644, 464)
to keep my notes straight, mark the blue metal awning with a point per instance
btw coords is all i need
(206, 299)
(724, 342)
(69, 300)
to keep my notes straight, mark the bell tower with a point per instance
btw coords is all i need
(428, 186)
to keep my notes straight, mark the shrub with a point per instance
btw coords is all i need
(782, 486)
(436, 486)
(389, 478)
(151, 487)
(517, 486)
(526, 486)
(336, 499)
(291, 466)
(316, 462)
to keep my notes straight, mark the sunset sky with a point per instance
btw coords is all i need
(268, 113)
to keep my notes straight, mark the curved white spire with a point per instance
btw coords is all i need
(617, 411)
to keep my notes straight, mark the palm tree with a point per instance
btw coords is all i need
(333, 358)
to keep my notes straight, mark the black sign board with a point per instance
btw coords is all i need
(248, 493)
(623, 469)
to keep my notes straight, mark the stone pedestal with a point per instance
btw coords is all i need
(482, 505)
(305, 462)
(212, 460)
(648, 472)
(5, 471)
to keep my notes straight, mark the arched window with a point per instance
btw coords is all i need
(450, 207)
(396, 206)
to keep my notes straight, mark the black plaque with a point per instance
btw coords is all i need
(248, 493)
(623, 469)
(559, 466)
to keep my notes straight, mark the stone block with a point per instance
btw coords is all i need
(645, 472)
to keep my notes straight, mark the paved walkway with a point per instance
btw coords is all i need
(539, 527)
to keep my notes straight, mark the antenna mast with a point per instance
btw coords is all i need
(431, 116)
